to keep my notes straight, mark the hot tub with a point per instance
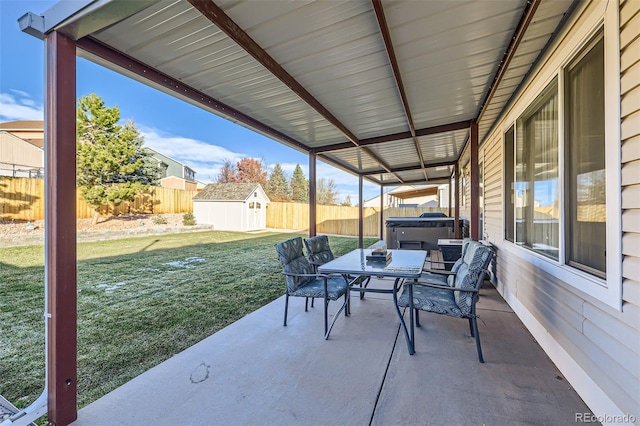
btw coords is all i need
(421, 233)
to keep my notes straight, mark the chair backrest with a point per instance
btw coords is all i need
(293, 261)
(456, 265)
(318, 249)
(469, 274)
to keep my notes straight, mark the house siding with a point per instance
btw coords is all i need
(18, 155)
(601, 343)
(630, 149)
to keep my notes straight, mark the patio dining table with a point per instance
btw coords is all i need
(403, 264)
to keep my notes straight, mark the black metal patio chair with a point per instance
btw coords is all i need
(455, 295)
(319, 252)
(303, 281)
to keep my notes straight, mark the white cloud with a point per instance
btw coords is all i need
(207, 160)
(18, 105)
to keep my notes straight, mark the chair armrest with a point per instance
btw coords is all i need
(438, 271)
(442, 287)
(291, 274)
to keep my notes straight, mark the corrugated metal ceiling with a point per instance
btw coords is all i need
(318, 76)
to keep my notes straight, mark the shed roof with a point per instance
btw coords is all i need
(227, 191)
(383, 89)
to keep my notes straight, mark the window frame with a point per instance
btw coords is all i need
(588, 48)
(521, 127)
(509, 205)
(607, 290)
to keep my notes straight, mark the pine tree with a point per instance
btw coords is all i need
(299, 186)
(278, 186)
(112, 167)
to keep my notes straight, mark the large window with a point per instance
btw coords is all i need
(585, 153)
(509, 175)
(550, 186)
(537, 189)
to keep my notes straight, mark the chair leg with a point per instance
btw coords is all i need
(417, 317)
(326, 319)
(363, 284)
(347, 302)
(337, 314)
(286, 308)
(477, 336)
(471, 327)
(312, 299)
(306, 304)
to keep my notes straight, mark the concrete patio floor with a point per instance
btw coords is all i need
(257, 372)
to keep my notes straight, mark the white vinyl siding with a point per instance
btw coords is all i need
(19, 158)
(595, 344)
(630, 159)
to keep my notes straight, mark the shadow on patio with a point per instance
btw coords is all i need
(258, 372)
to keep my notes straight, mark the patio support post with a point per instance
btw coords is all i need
(360, 212)
(456, 223)
(312, 194)
(60, 228)
(381, 212)
(475, 182)
(449, 203)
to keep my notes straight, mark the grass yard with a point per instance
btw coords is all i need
(140, 301)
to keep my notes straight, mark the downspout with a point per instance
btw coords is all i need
(37, 408)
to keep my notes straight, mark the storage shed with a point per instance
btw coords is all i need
(232, 206)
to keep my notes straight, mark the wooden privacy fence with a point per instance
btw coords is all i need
(337, 220)
(23, 199)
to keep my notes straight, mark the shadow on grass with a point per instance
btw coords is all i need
(140, 301)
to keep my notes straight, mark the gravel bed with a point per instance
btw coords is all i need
(18, 233)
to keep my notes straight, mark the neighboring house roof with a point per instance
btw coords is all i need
(413, 192)
(228, 191)
(408, 191)
(22, 125)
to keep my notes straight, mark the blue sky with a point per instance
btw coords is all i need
(186, 133)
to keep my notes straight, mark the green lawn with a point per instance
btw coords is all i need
(140, 301)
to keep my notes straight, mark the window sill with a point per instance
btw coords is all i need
(591, 285)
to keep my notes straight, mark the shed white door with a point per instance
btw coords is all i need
(256, 215)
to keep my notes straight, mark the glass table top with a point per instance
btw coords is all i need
(403, 264)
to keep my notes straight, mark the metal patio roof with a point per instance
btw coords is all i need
(383, 89)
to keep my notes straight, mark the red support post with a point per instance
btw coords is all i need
(312, 194)
(360, 213)
(456, 173)
(475, 183)
(60, 228)
(381, 212)
(450, 190)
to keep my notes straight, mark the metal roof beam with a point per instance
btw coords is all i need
(460, 125)
(388, 44)
(220, 19)
(330, 160)
(180, 89)
(439, 181)
(525, 20)
(412, 168)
